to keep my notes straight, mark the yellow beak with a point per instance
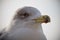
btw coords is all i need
(42, 19)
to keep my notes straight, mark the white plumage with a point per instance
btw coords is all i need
(23, 27)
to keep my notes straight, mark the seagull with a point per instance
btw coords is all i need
(26, 25)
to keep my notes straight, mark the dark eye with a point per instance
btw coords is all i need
(26, 14)
(21, 15)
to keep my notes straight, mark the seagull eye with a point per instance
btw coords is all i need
(24, 15)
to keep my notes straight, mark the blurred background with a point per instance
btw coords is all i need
(46, 7)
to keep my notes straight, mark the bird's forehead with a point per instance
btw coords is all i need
(30, 10)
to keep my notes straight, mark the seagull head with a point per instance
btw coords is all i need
(31, 14)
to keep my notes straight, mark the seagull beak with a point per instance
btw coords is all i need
(42, 19)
